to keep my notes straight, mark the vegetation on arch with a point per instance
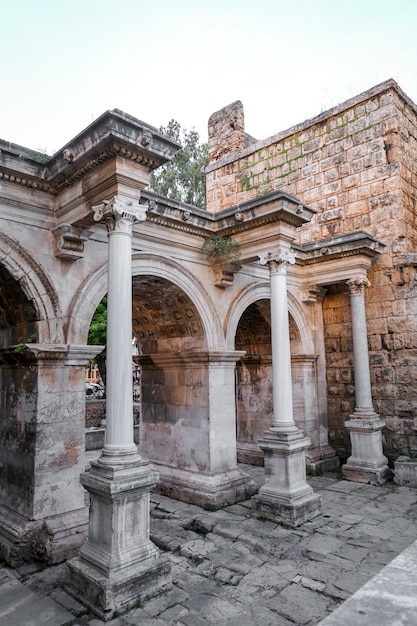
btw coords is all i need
(221, 247)
(183, 177)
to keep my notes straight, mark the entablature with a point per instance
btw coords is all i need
(336, 259)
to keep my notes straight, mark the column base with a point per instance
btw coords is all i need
(51, 540)
(322, 459)
(286, 497)
(290, 512)
(208, 491)
(123, 591)
(118, 565)
(367, 464)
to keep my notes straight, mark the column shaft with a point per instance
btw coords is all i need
(360, 353)
(119, 418)
(281, 356)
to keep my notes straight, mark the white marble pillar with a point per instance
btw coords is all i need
(285, 497)
(118, 566)
(367, 462)
(119, 218)
(283, 420)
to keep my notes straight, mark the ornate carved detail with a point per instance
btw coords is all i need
(119, 215)
(312, 294)
(277, 261)
(69, 241)
(357, 285)
(37, 184)
(37, 270)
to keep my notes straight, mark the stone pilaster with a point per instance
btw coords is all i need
(285, 497)
(118, 565)
(367, 462)
(43, 513)
(194, 447)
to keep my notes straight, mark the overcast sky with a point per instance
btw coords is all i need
(64, 62)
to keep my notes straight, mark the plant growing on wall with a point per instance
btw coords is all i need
(223, 248)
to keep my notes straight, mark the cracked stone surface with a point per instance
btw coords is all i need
(229, 569)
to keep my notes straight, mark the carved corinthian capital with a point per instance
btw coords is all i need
(357, 285)
(117, 214)
(279, 259)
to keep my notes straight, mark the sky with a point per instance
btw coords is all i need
(65, 62)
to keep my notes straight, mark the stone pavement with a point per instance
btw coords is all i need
(231, 570)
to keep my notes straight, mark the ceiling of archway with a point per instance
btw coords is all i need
(164, 316)
(253, 333)
(15, 308)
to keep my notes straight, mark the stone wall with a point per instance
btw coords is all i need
(356, 165)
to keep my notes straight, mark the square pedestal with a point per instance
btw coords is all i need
(118, 566)
(286, 497)
(367, 464)
(121, 592)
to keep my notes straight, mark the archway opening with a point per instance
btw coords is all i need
(254, 401)
(18, 314)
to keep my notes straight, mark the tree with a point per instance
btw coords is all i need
(97, 335)
(183, 178)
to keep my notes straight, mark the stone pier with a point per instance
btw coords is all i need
(285, 497)
(118, 565)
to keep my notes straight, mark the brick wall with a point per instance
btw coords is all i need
(356, 165)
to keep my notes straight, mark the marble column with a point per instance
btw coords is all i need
(285, 497)
(367, 463)
(118, 566)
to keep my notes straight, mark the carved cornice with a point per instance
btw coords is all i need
(341, 247)
(113, 134)
(30, 182)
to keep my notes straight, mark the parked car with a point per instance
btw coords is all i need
(94, 390)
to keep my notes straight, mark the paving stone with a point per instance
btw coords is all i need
(230, 569)
(301, 605)
(352, 553)
(322, 545)
(164, 601)
(350, 581)
(197, 549)
(309, 583)
(214, 608)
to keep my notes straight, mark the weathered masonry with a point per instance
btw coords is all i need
(328, 207)
(355, 165)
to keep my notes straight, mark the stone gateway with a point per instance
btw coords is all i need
(301, 355)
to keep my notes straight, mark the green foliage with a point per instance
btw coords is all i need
(183, 178)
(20, 348)
(97, 333)
(217, 246)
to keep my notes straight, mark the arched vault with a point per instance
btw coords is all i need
(168, 303)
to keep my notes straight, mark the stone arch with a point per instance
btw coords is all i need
(249, 329)
(299, 328)
(143, 264)
(30, 304)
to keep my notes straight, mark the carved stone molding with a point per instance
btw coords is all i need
(312, 294)
(118, 214)
(69, 242)
(278, 260)
(357, 285)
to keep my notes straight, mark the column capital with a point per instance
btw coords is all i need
(358, 284)
(278, 259)
(118, 214)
